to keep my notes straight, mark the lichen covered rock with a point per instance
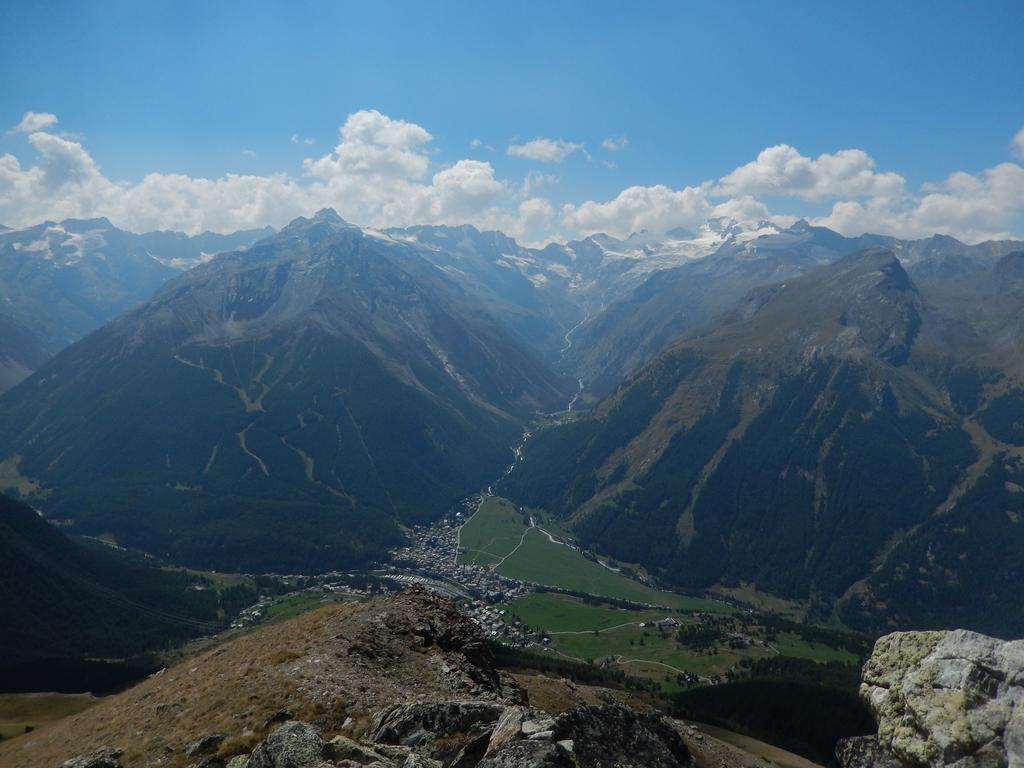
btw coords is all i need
(946, 699)
(293, 745)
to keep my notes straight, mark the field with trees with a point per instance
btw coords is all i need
(501, 536)
(692, 647)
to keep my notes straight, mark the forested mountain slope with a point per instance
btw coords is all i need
(815, 442)
(284, 407)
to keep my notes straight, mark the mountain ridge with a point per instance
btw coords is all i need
(328, 372)
(61, 280)
(782, 445)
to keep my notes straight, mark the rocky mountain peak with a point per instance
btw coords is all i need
(865, 304)
(329, 215)
(87, 225)
(324, 219)
(681, 233)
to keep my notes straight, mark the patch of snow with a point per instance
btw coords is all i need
(377, 234)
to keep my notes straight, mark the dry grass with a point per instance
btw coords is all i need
(343, 660)
(557, 695)
(282, 657)
(238, 744)
(21, 711)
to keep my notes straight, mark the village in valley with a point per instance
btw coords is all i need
(529, 586)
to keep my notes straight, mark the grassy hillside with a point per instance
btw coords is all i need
(703, 645)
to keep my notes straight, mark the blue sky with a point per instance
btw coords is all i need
(203, 89)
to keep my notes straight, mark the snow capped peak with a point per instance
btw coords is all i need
(722, 225)
(63, 244)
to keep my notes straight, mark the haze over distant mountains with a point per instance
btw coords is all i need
(60, 280)
(831, 419)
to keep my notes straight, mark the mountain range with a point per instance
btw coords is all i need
(61, 280)
(845, 436)
(329, 376)
(833, 420)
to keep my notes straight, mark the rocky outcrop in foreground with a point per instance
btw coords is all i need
(478, 734)
(464, 734)
(402, 682)
(942, 699)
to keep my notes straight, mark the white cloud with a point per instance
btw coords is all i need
(534, 222)
(971, 207)
(614, 145)
(654, 209)
(1017, 145)
(744, 209)
(65, 182)
(545, 150)
(382, 172)
(374, 145)
(379, 173)
(657, 209)
(296, 139)
(456, 194)
(34, 121)
(782, 170)
(248, 152)
(476, 144)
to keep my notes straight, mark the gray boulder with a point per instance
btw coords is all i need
(418, 761)
(456, 733)
(412, 724)
(947, 699)
(293, 745)
(614, 736)
(104, 757)
(205, 745)
(864, 752)
(344, 748)
(529, 754)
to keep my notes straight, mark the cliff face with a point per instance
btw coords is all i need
(942, 699)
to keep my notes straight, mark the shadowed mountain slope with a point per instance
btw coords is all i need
(68, 598)
(284, 407)
(800, 443)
